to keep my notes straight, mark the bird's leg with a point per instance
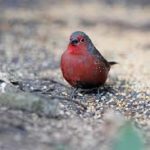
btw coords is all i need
(73, 93)
(109, 89)
(101, 91)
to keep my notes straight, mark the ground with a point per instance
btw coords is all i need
(35, 105)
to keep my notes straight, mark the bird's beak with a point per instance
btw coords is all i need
(74, 41)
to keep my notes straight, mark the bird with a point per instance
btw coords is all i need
(82, 65)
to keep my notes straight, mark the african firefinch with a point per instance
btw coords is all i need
(82, 64)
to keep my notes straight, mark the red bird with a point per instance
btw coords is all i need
(82, 64)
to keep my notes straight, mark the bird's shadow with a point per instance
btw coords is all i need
(52, 87)
(99, 91)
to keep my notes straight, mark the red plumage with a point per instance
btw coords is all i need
(82, 65)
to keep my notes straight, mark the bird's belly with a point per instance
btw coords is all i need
(84, 72)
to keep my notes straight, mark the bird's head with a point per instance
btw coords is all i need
(79, 42)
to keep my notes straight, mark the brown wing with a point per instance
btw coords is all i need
(101, 58)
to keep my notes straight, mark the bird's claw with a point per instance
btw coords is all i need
(73, 93)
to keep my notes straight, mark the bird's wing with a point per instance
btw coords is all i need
(101, 58)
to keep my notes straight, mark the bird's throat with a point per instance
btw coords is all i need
(75, 50)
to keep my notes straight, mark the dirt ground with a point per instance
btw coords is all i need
(32, 39)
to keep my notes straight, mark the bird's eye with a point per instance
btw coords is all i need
(82, 40)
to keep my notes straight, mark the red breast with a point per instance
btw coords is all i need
(82, 69)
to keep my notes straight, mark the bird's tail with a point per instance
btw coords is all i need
(112, 63)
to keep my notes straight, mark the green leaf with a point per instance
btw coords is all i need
(128, 139)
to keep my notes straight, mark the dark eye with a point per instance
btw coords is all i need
(82, 40)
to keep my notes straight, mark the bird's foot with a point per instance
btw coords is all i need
(103, 90)
(73, 93)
